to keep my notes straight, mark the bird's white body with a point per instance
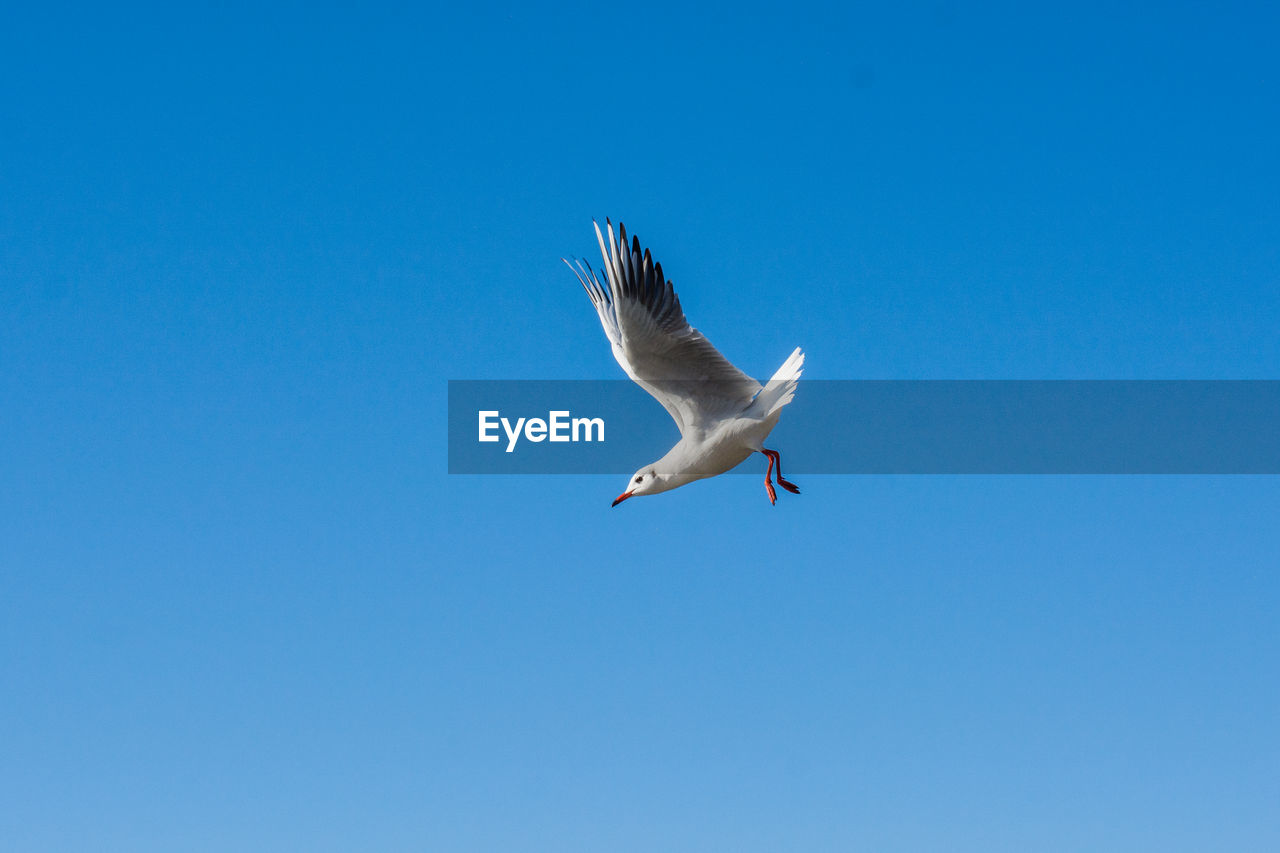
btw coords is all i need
(724, 415)
(702, 453)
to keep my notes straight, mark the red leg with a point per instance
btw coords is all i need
(789, 486)
(768, 484)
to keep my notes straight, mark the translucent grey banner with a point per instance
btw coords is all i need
(889, 427)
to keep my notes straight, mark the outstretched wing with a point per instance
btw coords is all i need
(654, 342)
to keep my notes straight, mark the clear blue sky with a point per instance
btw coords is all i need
(243, 607)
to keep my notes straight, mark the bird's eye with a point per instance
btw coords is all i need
(641, 477)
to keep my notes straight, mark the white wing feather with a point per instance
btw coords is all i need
(654, 343)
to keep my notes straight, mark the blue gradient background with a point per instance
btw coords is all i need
(242, 606)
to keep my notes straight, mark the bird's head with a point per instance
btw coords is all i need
(646, 481)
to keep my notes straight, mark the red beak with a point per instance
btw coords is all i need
(622, 497)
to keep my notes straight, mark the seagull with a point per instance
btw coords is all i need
(723, 414)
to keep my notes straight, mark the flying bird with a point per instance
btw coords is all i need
(723, 414)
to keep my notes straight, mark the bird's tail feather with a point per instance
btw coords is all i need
(781, 389)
